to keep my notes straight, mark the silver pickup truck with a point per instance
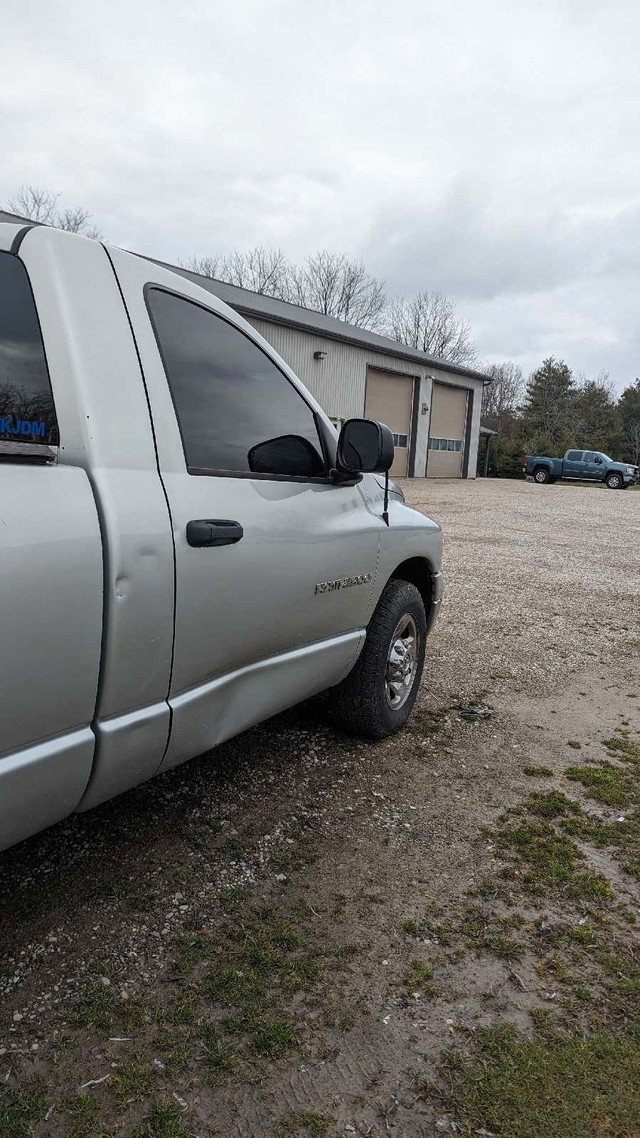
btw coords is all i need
(186, 545)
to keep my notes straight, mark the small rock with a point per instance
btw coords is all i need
(444, 1124)
(124, 995)
(106, 981)
(349, 1129)
(17, 1016)
(281, 877)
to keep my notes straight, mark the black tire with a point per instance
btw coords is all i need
(614, 481)
(360, 703)
(541, 475)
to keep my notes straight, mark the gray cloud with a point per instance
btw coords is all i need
(485, 150)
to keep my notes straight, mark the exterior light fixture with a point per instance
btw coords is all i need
(319, 355)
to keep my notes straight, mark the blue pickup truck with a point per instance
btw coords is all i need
(583, 466)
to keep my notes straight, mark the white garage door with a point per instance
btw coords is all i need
(447, 431)
(389, 399)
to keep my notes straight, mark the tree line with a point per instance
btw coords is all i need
(554, 410)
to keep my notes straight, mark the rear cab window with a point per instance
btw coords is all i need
(574, 456)
(28, 425)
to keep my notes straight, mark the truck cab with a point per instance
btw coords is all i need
(186, 544)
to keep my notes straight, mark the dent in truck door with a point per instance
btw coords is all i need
(264, 621)
(50, 587)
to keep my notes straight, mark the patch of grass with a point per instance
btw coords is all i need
(602, 834)
(308, 1120)
(552, 804)
(134, 1081)
(633, 867)
(558, 1087)
(419, 978)
(484, 931)
(83, 1113)
(575, 744)
(165, 1121)
(98, 1006)
(534, 771)
(22, 1108)
(219, 1056)
(251, 970)
(543, 859)
(410, 928)
(606, 783)
(272, 1037)
(622, 748)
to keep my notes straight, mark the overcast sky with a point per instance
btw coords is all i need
(487, 149)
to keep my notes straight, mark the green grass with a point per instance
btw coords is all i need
(419, 978)
(308, 1120)
(575, 744)
(558, 1087)
(165, 1121)
(219, 1056)
(543, 859)
(550, 804)
(83, 1113)
(134, 1081)
(410, 928)
(22, 1108)
(606, 783)
(534, 771)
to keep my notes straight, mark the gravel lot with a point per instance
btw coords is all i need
(354, 841)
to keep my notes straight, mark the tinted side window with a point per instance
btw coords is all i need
(589, 456)
(236, 410)
(574, 456)
(27, 414)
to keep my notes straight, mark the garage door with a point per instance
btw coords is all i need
(447, 431)
(389, 399)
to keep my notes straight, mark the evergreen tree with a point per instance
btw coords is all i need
(595, 416)
(549, 409)
(629, 412)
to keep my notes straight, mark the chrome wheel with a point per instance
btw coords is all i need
(402, 662)
(614, 482)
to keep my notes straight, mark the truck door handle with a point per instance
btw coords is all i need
(213, 531)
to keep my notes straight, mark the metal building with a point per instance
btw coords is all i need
(432, 406)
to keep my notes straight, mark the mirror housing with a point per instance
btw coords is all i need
(364, 447)
(290, 455)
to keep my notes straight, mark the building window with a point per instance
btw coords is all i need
(400, 440)
(445, 444)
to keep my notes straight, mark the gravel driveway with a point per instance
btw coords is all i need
(110, 923)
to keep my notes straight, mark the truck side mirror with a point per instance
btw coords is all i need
(365, 447)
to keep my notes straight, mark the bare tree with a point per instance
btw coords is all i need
(502, 397)
(428, 321)
(42, 205)
(337, 286)
(260, 270)
(206, 266)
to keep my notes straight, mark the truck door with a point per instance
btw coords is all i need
(50, 585)
(572, 466)
(275, 565)
(592, 466)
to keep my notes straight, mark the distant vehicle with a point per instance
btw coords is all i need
(583, 466)
(187, 546)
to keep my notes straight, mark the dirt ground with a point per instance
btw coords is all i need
(295, 934)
